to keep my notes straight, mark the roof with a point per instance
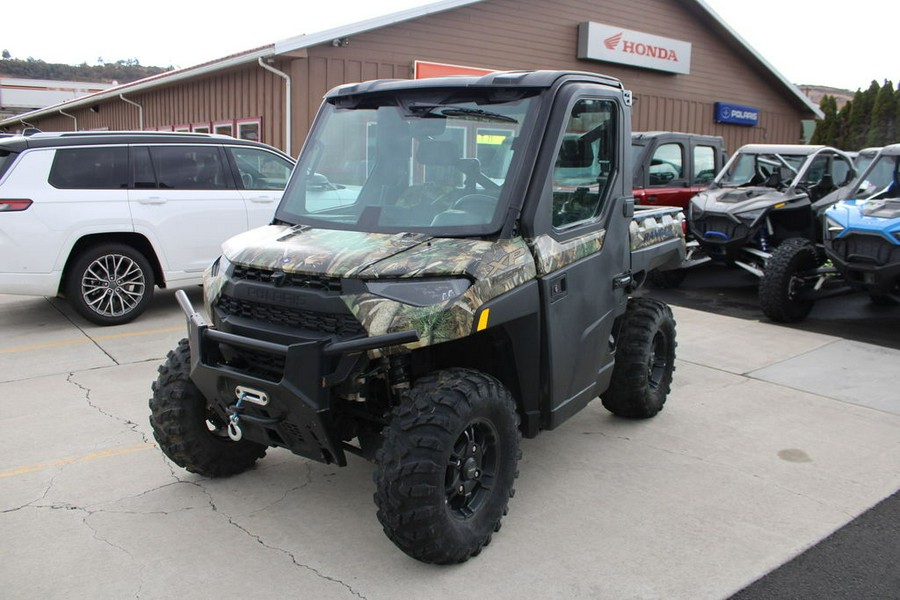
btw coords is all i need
(302, 42)
(18, 143)
(795, 149)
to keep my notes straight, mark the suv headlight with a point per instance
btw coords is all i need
(420, 292)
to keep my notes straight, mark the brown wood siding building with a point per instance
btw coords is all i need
(492, 34)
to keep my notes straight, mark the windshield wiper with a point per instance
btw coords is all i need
(477, 112)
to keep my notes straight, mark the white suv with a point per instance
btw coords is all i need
(102, 217)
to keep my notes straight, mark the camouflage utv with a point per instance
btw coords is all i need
(449, 269)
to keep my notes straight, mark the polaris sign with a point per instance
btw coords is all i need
(597, 41)
(736, 115)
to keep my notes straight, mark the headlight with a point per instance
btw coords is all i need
(420, 292)
(832, 226)
(752, 215)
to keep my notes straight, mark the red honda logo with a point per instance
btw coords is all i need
(612, 42)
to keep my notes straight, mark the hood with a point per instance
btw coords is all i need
(867, 216)
(362, 255)
(739, 200)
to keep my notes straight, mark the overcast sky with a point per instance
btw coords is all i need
(808, 41)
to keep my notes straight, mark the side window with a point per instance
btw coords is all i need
(816, 170)
(841, 171)
(585, 162)
(260, 170)
(90, 168)
(704, 164)
(144, 177)
(190, 168)
(666, 165)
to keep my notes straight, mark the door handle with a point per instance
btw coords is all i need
(152, 200)
(262, 199)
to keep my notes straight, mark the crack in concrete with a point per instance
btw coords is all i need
(307, 481)
(131, 425)
(262, 543)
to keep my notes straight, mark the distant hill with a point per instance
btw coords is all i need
(122, 71)
(815, 93)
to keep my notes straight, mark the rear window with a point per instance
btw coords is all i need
(103, 168)
(6, 159)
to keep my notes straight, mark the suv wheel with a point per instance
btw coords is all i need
(187, 431)
(110, 284)
(645, 361)
(446, 470)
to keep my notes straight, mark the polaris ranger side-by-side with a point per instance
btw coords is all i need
(449, 269)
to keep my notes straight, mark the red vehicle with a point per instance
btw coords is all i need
(671, 167)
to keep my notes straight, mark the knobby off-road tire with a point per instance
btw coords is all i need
(645, 361)
(110, 284)
(446, 470)
(782, 282)
(187, 431)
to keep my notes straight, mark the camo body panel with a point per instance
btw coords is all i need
(654, 229)
(494, 268)
(323, 252)
(550, 255)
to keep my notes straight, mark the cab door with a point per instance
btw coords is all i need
(581, 246)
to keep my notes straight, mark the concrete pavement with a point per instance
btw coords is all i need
(771, 440)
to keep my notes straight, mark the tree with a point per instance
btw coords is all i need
(6, 55)
(828, 129)
(881, 124)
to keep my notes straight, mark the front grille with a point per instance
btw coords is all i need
(871, 249)
(720, 229)
(259, 364)
(289, 280)
(342, 325)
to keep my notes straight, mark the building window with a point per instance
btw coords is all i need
(224, 128)
(249, 129)
(200, 128)
(182, 127)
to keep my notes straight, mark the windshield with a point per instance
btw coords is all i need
(881, 179)
(761, 169)
(433, 163)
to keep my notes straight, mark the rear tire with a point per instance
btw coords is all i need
(187, 430)
(645, 361)
(782, 282)
(110, 284)
(446, 470)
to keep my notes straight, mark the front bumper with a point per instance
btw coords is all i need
(298, 410)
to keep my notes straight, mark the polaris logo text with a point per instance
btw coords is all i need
(640, 49)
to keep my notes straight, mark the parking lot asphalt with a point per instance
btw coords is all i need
(772, 439)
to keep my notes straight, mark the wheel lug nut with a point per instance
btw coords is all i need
(461, 489)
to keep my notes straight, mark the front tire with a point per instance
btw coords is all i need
(645, 361)
(446, 470)
(110, 284)
(187, 430)
(783, 282)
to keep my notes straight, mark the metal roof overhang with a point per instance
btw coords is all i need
(290, 45)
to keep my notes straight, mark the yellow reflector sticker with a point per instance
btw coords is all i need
(492, 140)
(780, 205)
(483, 319)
